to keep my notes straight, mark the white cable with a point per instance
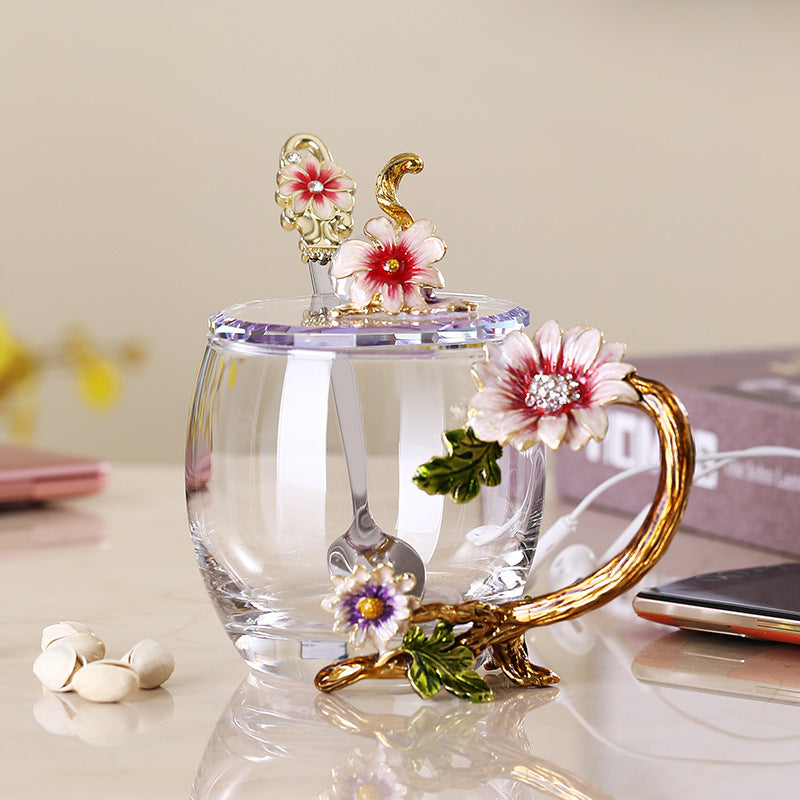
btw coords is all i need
(637, 521)
(554, 536)
(563, 526)
(760, 451)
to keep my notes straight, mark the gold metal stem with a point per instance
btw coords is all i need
(352, 670)
(389, 182)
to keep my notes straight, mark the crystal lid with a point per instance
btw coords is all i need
(289, 322)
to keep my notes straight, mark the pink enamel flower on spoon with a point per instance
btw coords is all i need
(320, 184)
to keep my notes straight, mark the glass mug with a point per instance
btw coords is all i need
(270, 486)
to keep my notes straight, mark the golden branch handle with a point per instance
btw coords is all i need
(651, 541)
(501, 628)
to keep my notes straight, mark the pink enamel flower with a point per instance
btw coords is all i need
(319, 184)
(550, 388)
(393, 267)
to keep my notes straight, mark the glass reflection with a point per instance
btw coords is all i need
(278, 739)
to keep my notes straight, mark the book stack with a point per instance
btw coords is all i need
(735, 401)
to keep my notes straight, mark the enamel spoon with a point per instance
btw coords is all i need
(364, 542)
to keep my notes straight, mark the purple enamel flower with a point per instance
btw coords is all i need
(372, 606)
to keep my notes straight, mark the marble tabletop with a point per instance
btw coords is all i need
(642, 712)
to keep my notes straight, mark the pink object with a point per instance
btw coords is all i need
(34, 476)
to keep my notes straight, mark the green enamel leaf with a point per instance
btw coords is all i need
(470, 463)
(438, 662)
(424, 679)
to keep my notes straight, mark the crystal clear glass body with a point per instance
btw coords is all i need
(268, 489)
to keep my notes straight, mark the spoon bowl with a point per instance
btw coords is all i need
(367, 545)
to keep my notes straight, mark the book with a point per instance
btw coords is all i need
(735, 401)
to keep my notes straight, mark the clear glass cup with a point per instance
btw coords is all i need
(267, 485)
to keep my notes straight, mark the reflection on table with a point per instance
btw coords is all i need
(359, 745)
(101, 724)
(45, 530)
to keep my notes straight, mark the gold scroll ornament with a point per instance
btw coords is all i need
(500, 629)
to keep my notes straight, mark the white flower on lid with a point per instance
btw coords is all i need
(392, 267)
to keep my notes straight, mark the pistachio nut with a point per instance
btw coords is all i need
(61, 629)
(57, 667)
(152, 661)
(106, 681)
(86, 645)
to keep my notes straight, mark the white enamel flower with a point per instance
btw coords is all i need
(550, 388)
(372, 606)
(393, 266)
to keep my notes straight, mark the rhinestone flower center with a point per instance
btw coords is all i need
(315, 186)
(370, 607)
(551, 392)
(391, 265)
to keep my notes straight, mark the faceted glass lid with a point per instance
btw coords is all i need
(293, 322)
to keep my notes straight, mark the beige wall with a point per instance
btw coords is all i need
(633, 165)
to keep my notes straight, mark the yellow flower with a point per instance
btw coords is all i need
(8, 347)
(98, 381)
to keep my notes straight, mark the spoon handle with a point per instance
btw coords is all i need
(345, 398)
(348, 412)
(324, 297)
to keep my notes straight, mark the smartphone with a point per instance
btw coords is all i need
(758, 603)
(29, 476)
